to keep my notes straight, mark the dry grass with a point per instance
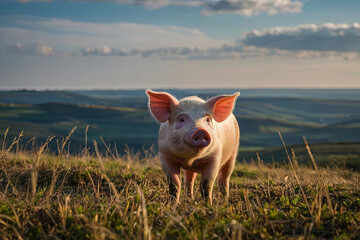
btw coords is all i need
(107, 196)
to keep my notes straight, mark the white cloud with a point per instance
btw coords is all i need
(232, 51)
(252, 7)
(38, 48)
(244, 7)
(310, 37)
(160, 53)
(328, 41)
(31, 49)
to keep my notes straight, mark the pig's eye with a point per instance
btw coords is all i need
(181, 119)
(208, 119)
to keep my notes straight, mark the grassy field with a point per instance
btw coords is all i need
(346, 155)
(124, 196)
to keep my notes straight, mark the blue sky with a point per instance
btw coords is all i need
(171, 43)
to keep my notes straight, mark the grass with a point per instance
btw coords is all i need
(346, 155)
(96, 195)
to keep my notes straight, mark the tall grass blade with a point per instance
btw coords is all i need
(113, 188)
(295, 175)
(86, 151)
(323, 185)
(64, 141)
(147, 231)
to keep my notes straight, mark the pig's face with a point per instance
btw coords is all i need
(191, 128)
(192, 121)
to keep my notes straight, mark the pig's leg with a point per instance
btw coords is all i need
(224, 177)
(189, 183)
(172, 171)
(208, 178)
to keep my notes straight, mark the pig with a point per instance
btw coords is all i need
(200, 137)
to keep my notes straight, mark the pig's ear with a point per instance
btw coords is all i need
(161, 104)
(222, 106)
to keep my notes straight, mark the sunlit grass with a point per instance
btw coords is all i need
(93, 195)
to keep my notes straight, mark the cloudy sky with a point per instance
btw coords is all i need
(117, 44)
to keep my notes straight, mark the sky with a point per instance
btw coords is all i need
(127, 44)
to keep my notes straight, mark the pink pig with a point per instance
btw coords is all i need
(199, 136)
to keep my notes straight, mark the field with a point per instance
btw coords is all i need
(107, 195)
(328, 118)
(84, 165)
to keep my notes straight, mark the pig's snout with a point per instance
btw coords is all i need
(200, 138)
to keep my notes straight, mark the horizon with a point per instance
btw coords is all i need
(245, 93)
(173, 88)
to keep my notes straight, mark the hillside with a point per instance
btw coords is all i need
(122, 118)
(115, 124)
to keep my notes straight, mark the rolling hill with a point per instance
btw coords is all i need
(121, 117)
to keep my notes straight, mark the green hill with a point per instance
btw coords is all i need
(124, 120)
(115, 124)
